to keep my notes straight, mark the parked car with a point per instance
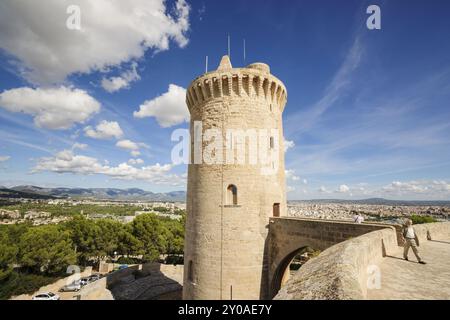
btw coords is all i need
(94, 277)
(123, 266)
(84, 281)
(46, 296)
(74, 286)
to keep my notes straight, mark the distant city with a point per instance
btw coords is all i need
(43, 205)
(136, 194)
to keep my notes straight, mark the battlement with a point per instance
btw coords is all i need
(253, 81)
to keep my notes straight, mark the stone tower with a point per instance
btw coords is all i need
(229, 203)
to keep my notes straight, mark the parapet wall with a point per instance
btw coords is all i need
(341, 271)
(288, 234)
(432, 231)
(236, 82)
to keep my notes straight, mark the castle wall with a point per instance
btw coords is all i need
(288, 235)
(343, 270)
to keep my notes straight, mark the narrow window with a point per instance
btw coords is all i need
(271, 142)
(276, 209)
(190, 271)
(232, 195)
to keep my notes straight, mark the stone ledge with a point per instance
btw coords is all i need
(340, 272)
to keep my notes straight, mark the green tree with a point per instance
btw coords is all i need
(83, 233)
(175, 236)
(48, 249)
(107, 239)
(149, 230)
(8, 254)
(416, 219)
(128, 243)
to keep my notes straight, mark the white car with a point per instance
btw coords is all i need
(74, 286)
(91, 278)
(46, 296)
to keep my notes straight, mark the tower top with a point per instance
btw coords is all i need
(251, 82)
(225, 63)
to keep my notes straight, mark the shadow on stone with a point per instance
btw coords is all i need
(398, 258)
(150, 282)
(440, 241)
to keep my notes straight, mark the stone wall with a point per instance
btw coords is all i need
(432, 231)
(288, 235)
(97, 290)
(225, 242)
(152, 281)
(342, 271)
(119, 275)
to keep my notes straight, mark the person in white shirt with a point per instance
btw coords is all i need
(411, 240)
(358, 218)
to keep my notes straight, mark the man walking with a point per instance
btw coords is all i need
(411, 240)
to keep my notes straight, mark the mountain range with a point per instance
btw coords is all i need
(135, 194)
(35, 192)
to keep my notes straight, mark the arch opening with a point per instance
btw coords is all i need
(290, 265)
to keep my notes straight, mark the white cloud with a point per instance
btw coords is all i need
(127, 144)
(428, 188)
(135, 153)
(52, 108)
(169, 109)
(135, 161)
(290, 174)
(290, 189)
(4, 158)
(80, 146)
(112, 32)
(132, 146)
(288, 144)
(322, 189)
(343, 189)
(104, 130)
(68, 162)
(305, 181)
(302, 121)
(114, 84)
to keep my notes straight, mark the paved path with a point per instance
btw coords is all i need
(402, 279)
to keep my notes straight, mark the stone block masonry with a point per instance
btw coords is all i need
(229, 205)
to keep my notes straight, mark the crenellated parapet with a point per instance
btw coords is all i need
(252, 82)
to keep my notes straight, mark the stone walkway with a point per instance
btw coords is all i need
(403, 280)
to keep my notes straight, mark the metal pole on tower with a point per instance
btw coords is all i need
(229, 49)
(244, 50)
(206, 64)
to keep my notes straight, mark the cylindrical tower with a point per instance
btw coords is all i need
(229, 202)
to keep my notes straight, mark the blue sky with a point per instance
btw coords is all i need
(368, 110)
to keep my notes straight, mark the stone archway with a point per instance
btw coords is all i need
(283, 271)
(288, 235)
